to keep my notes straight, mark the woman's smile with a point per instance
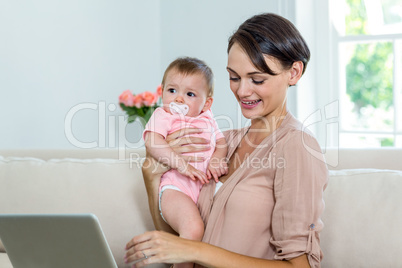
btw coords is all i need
(247, 104)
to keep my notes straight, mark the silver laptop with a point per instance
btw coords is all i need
(55, 241)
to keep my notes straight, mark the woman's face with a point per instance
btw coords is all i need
(259, 94)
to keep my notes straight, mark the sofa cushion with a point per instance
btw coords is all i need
(113, 190)
(363, 219)
(5, 261)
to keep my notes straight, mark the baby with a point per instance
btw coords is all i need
(187, 88)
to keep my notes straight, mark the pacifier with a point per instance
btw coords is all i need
(177, 108)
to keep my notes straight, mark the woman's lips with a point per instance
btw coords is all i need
(249, 104)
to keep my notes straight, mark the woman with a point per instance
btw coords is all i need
(265, 212)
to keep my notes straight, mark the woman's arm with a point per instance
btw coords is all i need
(152, 172)
(211, 256)
(161, 247)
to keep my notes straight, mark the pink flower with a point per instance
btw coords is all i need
(127, 98)
(149, 98)
(159, 90)
(138, 101)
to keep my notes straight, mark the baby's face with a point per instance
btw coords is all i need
(186, 89)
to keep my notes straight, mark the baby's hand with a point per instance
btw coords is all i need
(194, 174)
(216, 168)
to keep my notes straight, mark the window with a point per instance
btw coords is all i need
(367, 46)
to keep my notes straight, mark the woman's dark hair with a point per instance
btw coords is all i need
(272, 35)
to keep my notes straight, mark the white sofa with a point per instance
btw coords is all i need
(363, 215)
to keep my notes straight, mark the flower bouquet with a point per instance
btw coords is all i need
(140, 106)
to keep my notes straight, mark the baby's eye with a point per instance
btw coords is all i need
(190, 94)
(171, 90)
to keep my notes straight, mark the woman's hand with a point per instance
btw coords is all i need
(182, 142)
(158, 247)
(161, 247)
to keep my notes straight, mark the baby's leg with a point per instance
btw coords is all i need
(182, 214)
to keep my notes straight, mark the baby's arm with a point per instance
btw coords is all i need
(218, 163)
(159, 149)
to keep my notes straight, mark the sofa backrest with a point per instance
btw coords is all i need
(337, 158)
(384, 158)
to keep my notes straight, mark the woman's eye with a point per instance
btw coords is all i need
(258, 82)
(234, 79)
(190, 94)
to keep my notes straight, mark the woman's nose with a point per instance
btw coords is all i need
(243, 90)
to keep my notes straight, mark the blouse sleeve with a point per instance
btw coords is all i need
(298, 189)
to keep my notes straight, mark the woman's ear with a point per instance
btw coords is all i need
(296, 72)
(208, 104)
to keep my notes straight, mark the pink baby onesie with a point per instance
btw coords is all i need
(165, 123)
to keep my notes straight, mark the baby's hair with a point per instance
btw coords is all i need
(189, 66)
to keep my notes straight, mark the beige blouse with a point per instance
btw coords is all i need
(270, 207)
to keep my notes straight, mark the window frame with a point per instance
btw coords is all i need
(331, 81)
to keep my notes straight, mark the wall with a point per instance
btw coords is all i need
(63, 64)
(57, 56)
